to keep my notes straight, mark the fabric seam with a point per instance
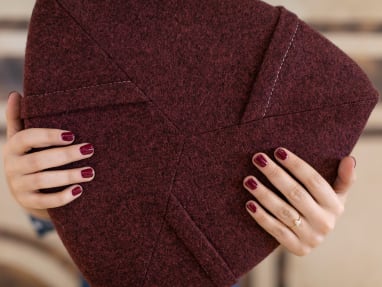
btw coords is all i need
(81, 88)
(204, 238)
(111, 60)
(279, 69)
(164, 216)
(285, 114)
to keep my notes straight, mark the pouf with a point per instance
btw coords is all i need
(176, 97)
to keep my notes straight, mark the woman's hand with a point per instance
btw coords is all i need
(24, 172)
(312, 213)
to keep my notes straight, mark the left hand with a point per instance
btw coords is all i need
(314, 206)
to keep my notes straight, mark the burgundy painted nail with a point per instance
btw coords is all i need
(251, 183)
(261, 160)
(87, 149)
(67, 136)
(281, 154)
(76, 191)
(87, 173)
(251, 206)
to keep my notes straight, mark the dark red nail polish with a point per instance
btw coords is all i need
(251, 206)
(87, 173)
(76, 191)
(261, 160)
(281, 154)
(251, 183)
(67, 136)
(87, 149)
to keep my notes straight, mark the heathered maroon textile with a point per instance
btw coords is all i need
(176, 97)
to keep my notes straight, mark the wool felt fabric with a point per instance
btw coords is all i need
(176, 97)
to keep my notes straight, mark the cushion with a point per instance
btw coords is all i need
(176, 97)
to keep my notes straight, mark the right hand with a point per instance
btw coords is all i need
(23, 171)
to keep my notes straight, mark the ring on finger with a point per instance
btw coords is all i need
(297, 222)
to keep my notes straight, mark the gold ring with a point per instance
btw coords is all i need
(297, 222)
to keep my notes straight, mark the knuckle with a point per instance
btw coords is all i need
(316, 181)
(61, 199)
(39, 180)
(64, 155)
(49, 135)
(279, 232)
(296, 164)
(274, 171)
(72, 176)
(33, 163)
(21, 137)
(285, 214)
(296, 193)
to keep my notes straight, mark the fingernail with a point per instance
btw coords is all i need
(281, 154)
(10, 93)
(87, 149)
(261, 160)
(251, 206)
(355, 161)
(251, 184)
(76, 191)
(67, 136)
(87, 173)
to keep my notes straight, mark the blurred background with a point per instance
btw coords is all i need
(350, 256)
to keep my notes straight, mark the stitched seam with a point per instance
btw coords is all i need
(285, 114)
(113, 61)
(206, 239)
(164, 216)
(279, 70)
(81, 88)
(193, 255)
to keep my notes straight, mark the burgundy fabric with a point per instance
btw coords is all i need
(176, 97)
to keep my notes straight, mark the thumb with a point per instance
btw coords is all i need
(346, 175)
(14, 122)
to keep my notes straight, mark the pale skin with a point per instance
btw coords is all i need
(319, 205)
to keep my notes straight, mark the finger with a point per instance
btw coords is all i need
(317, 186)
(56, 178)
(54, 157)
(273, 203)
(14, 123)
(296, 194)
(345, 178)
(279, 231)
(37, 200)
(27, 139)
(346, 175)
(306, 231)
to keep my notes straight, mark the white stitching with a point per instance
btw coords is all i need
(278, 72)
(81, 88)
